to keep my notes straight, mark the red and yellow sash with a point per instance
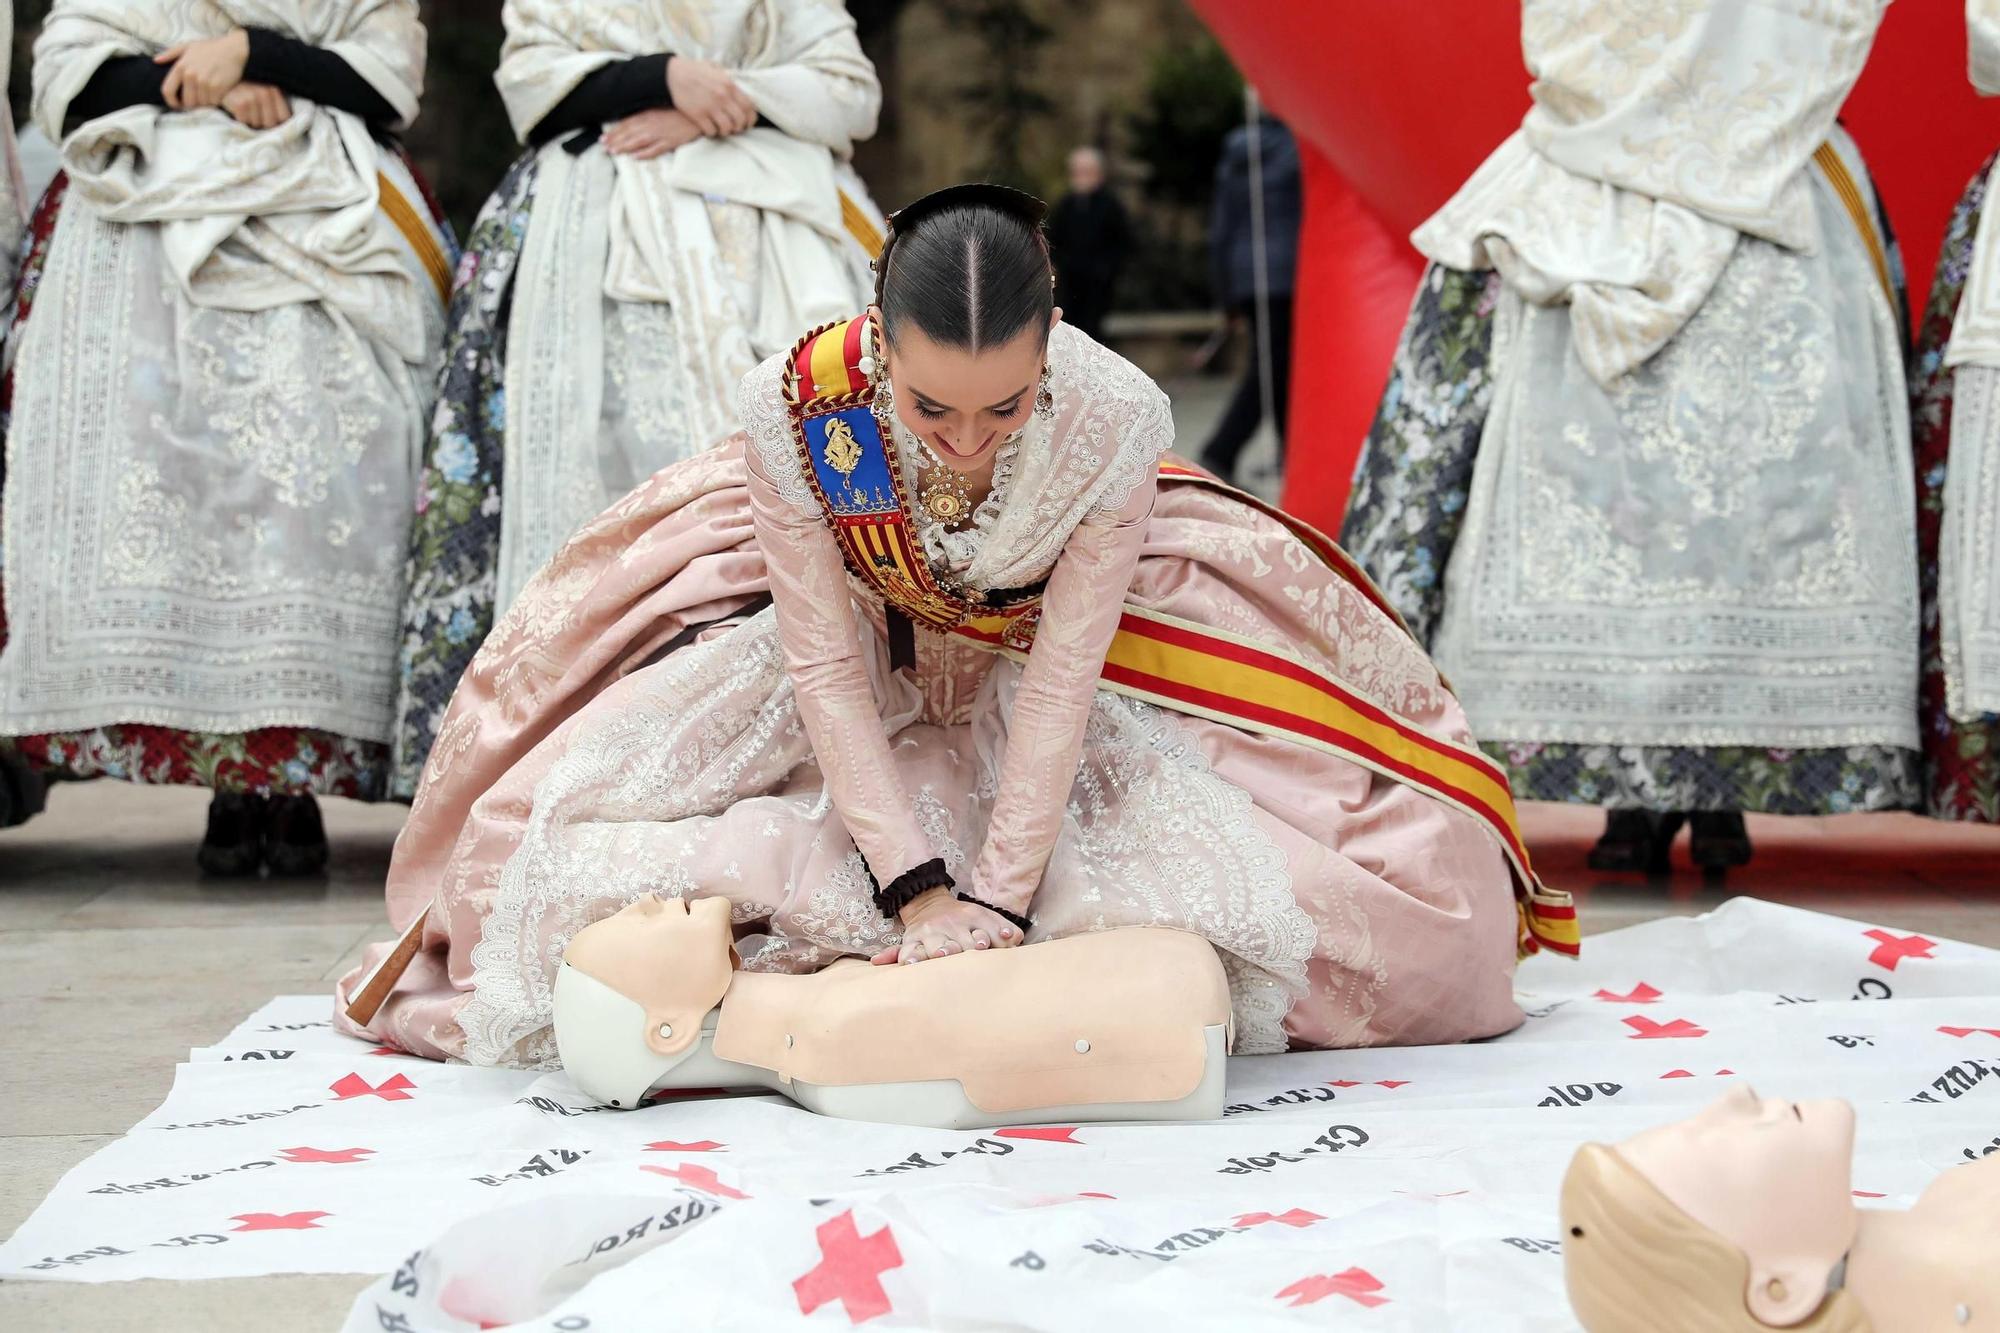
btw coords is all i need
(852, 465)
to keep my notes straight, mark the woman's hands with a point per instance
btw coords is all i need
(708, 96)
(650, 133)
(205, 72)
(258, 105)
(936, 925)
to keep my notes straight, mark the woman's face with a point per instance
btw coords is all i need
(964, 403)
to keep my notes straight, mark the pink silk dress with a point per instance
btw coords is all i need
(636, 724)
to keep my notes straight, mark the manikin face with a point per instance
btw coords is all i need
(961, 403)
(1771, 1177)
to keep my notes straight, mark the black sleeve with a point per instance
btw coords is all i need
(611, 93)
(311, 72)
(119, 82)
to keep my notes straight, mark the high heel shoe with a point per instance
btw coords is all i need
(234, 843)
(1717, 839)
(294, 837)
(1636, 840)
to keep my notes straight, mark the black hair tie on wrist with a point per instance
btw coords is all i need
(907, 887)
(1021, 923)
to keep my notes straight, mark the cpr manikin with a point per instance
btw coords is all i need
(1127, 1024)
(1743, 1218)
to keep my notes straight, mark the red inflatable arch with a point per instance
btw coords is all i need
(1395, 104)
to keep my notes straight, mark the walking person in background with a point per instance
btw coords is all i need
(1090, 234)
(1641, 472)
(223, 356)
(1260, 155)
(685, 206)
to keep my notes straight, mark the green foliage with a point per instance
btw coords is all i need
(1194, 97)
(1002, 95)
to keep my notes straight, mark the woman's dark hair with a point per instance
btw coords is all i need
(968, 265)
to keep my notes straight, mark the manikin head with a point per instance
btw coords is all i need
(1086, 170)
(965, 297)
(623, 1019)
(1732, 1219)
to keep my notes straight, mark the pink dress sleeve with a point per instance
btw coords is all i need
(1080, 612)
(821, 637)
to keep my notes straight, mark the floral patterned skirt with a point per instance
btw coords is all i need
(455, 542)
(1961, 759)
(1403, 519)
(282, 761)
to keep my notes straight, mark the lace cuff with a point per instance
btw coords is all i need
(901, 891)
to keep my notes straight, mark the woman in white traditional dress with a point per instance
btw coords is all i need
(1955, 401)
(222, 365)
(684, 208)
(1641, 474)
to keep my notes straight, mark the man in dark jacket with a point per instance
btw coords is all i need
(1241, 264)
(1089, 236)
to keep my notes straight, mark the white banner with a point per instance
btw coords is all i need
(1409, 1188)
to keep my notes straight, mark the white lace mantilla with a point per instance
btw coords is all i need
(1661, 133)
(721, 251)
(1110, 426)
(1717, 550)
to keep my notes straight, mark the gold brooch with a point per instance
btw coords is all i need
(842, 452)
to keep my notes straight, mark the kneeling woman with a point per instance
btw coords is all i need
(946, 656)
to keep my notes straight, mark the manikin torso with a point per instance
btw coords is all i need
(1120, 1025)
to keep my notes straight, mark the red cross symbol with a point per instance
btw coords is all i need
(697, 1177)
(1046, 1133)
(1342, 1083)
(1893, 949)
(1357, 1284)
(850, 1270)
(395, 1088)
(1966, 1032)
(1293, 1217)
(1639, 994)
(1392, 1083)
(278, 1221)
(1644, 1028)
(336, 1155)
(668, 1145)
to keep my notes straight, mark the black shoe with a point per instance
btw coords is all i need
(234, 844)
(1717, 839)
(294, 837)
(22, 790)
(1636, 840)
